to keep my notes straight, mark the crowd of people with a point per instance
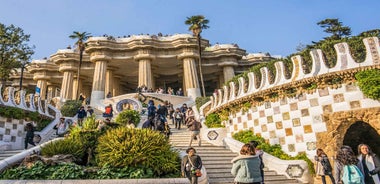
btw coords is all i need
(363, 168)
(169, 90)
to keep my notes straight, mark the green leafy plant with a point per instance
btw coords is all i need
(369, 83)
(275, 150)
(201, 100)
(40, 171)
(88, 137)
(121, 147)
(126, 116)
(70, 107)
(63, 146)
(213, 121)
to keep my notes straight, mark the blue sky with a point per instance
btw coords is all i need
(274, 26)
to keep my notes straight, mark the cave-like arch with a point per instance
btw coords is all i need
(351, 128)
(362, 132)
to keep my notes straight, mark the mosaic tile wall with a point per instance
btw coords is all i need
(12, 131)
(294, 122)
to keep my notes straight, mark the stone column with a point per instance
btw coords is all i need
(190, 76)
(67, 85)
(228, 73)
(42, 84)
(109, 82)
(75, 86)
(99, 81)
(145, 73)
(116, 86)
(145, 58)
(51, 92)
(228, 67)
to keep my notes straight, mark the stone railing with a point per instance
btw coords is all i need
(13, 128)
(345, 65)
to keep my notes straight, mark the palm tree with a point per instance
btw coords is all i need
(81, 38)
(197, 24)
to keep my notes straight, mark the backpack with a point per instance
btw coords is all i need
(352, 175)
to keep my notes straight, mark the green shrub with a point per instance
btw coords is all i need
(88, 136)
(40, 171)
(70, 107)
(369, 83)
(125, 116)
(110, 172)
(213, 121)
(275, 150)
(199, 101)
(121, 147)
(63, 146)
(42, 124)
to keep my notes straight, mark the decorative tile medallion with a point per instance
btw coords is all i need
(212, 135)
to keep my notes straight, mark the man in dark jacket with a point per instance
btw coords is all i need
(81, 115)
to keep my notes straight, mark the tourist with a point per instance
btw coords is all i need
(195, 128)
(148, 123)
(189, 114)
(162, 111)
(81, 97)
(109, 95)
(29, 128)
(101, 125)
(246, 166)
(61, 127)
(323, 166)
(151, 109)
(90, 110)
(177, 116)
(190, 165)
(369, 164)
(179, 92)
(108, 111)
(260, 153)
(88, 100)
(166, 131)
(81, 114)
(344, 157)
(183, 109)
(170, 108)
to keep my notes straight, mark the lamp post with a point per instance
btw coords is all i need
(23, 65)
(197, 32)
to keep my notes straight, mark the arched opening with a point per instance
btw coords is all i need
(361, 132)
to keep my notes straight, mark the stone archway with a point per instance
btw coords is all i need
(341, 125)
(362, 132)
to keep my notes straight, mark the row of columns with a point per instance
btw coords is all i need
(104, 80)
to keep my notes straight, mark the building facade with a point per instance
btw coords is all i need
(120, 65)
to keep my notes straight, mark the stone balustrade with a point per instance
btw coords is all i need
(345, 62)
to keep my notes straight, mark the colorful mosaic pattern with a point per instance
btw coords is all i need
(294, 122)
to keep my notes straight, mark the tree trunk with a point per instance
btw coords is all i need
(200, 64)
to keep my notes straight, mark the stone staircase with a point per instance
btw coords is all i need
(217, 159)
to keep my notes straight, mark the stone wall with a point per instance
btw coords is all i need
(12, 133)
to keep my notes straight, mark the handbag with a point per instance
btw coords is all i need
(194, 170)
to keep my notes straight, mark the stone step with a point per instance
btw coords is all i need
(217, 160)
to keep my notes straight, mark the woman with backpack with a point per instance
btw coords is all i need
(345, 167)
(246, 167)
(369, 164)
(323, 166)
